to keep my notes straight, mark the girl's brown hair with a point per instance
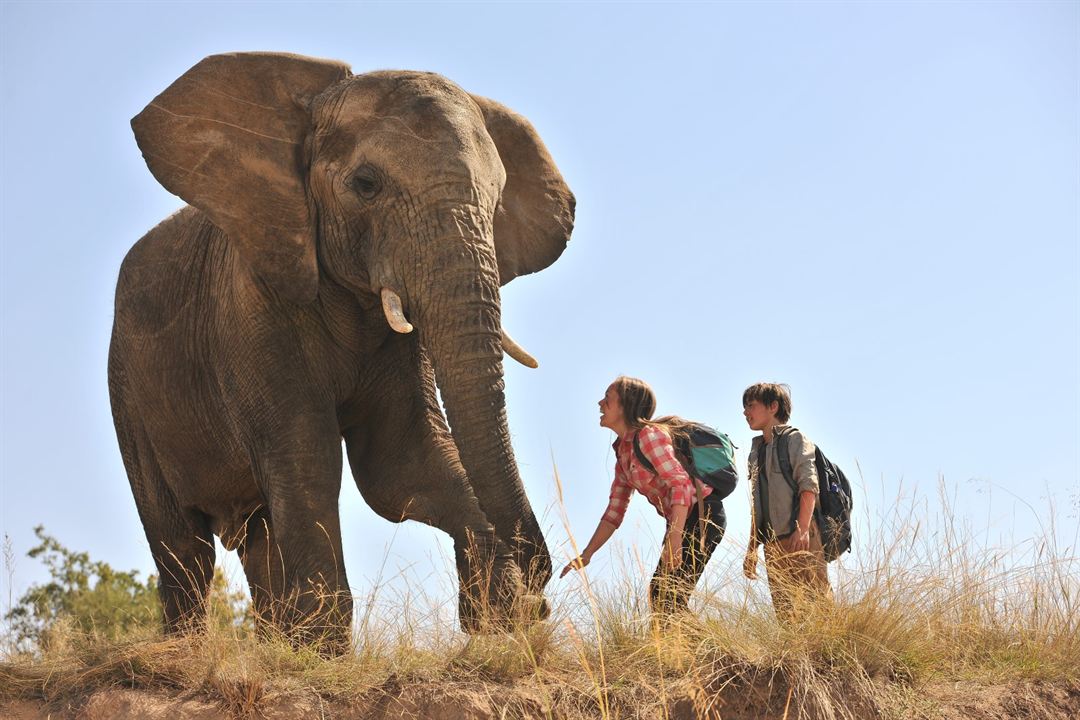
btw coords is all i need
(637, 399)
(638, 405)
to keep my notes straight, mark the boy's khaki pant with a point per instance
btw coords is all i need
(796, 578)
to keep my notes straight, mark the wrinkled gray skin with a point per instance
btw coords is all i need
(249, 337)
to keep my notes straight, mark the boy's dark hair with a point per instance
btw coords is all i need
(637, 399)
(769, 393)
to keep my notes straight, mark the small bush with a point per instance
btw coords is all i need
(94, 600)
(90, 595)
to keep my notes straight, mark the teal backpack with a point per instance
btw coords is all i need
(706, 453)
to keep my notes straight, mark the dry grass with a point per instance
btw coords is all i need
(916, 606)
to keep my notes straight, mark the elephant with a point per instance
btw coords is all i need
(338, 262)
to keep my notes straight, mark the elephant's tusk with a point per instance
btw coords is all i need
(517, 352)
(391, 306)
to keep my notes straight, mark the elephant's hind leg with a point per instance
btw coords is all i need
(180, 540)
(264, 566)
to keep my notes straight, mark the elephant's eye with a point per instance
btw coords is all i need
(365, 182)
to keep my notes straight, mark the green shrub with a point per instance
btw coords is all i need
(96, 600)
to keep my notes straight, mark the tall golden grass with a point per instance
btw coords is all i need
(921, 600)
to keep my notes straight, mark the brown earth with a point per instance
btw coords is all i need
(764, 700)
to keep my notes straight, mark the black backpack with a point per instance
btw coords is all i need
(706, 454)
(833, 508)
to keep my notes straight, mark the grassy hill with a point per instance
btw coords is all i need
(927, 623)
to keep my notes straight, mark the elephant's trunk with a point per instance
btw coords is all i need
(459, 321)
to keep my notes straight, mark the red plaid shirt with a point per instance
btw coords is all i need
(669, 486)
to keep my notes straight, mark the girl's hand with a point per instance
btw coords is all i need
(749, 566)
(575, 564)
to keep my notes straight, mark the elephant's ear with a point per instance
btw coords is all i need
(228, 137)
(536, 214)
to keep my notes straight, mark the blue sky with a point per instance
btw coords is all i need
(876, 203)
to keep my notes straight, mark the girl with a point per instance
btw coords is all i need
(695, 520)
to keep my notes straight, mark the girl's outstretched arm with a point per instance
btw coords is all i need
(602, 534)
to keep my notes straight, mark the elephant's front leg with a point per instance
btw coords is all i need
(406, 466)
(299, 471)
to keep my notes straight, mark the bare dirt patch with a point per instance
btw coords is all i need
(764, 700)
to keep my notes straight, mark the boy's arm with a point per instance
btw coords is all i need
(750, 561)
(800, 539)
(752, 543)
(806, 479)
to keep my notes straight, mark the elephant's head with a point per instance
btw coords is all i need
(395, 185)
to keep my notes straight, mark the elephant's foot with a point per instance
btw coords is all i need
(535, 567)
(525, 611)
(318, 617)
(494, 597)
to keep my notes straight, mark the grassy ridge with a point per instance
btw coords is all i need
(917, 606)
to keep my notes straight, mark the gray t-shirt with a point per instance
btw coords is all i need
(783, 501)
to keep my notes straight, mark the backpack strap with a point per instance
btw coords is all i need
(764, 527)
(784, 458)
(694, 482)
(641, 455)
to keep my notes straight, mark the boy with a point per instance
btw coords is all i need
(782, 517)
